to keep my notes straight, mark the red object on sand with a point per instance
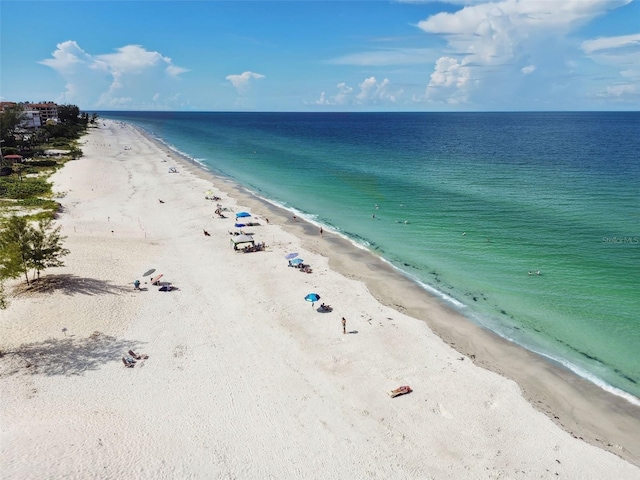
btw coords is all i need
(400, 391)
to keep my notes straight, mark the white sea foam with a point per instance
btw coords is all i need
(361, 242)
(566, 364)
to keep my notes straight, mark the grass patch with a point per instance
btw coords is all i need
(11, 187)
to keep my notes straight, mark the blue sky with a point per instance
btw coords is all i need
(457, 55)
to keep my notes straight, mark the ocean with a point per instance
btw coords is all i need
(526, 223)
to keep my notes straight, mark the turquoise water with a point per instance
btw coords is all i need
(466, 204)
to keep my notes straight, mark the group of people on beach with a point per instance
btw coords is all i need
(256, 247)
(301, 266)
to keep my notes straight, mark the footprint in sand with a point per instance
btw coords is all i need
(180, 351)
(439, 410)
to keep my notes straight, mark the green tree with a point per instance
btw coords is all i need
(23, 246)
(46, 247)
(15, 248)
(69, 114)
(3, 298)
(9, 120)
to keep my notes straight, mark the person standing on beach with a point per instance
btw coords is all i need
(344, 325)
(321, 231)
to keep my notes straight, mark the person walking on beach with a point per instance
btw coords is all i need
(321, 231)
(344, 325)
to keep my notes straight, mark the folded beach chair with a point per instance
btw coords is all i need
(138, 357)
(128, 362)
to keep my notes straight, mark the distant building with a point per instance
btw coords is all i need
(47, 111)
(34, 114)
(31, 119)
(4, 105)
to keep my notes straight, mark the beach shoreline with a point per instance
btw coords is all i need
(575, 404)
(592, 414)
(246, 376)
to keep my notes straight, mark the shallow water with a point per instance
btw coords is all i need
(467, 204)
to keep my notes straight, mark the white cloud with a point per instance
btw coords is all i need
(340, 98)
(448, 72)
(371, 92)
(622, 54)
(449, 82)
(611, 43)
(242, 82)
(621, 90)
(68, 57)
(500, 35)
(528, 69)
(114, 79)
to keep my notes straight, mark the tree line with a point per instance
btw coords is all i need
(71, 125)
(31, 243)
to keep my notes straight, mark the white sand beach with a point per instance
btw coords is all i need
(245, 379)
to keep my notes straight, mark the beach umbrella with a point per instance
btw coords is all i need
(148, 272)
(242, 214)
(296, 261)
(289, 256)
(156, 279)
(312, 297)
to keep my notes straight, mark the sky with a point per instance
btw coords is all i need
(306, 55)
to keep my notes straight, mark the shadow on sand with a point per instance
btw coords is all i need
(65, 356)
(69, 285)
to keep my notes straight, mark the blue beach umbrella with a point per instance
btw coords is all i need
(242, 214)
(312, 297)
(291, 255)
(296, 261)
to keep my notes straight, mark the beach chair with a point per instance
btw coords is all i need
(128, 362)
(136, 356)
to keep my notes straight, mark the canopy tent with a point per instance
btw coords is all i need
(13, 158)
(239, 239)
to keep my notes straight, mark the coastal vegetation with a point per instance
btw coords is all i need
(28, 157)
(25, 247)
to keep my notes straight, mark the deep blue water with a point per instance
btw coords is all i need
(467, 204)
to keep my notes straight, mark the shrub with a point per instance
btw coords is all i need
(43, 163)
(21, 189)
